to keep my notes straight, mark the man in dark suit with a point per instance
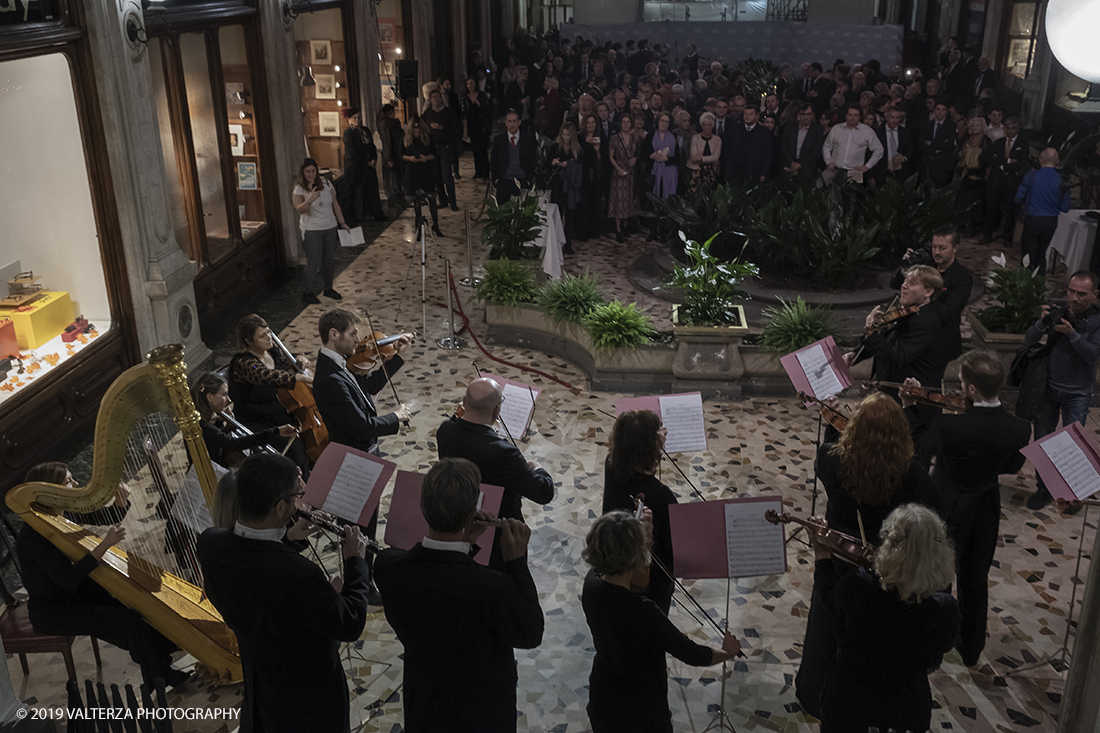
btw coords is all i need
(1010, 163)
(800, 145)
(909, 350)
(972, 449)
(751, 158)
(458, 621)
(897, 145)
(344, 396)
(517, 95)
(501, 464)
(823, 88)
(937, 144)
(288, 618)
(954, 79)
(984, 78)
(512, 159)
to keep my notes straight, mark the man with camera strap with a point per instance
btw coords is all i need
(1072, 329)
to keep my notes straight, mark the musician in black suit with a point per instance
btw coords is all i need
(972, 449)
(344, 396)
(897, 147)
(288, 618)
(1010, 164)
(457, 620)
(512, 159)
(909, 349)
(501, 464)
(800, 145)
(939, 137)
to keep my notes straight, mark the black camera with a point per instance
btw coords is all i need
(1059, 309)
(922, 256)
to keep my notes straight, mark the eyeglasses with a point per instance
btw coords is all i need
(295, 496)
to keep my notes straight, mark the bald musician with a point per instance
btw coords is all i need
(501, 464)
(458, 621)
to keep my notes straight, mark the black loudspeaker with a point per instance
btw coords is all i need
(407, 79)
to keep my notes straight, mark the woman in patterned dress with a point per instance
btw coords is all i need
(624, 152)
(706, 150)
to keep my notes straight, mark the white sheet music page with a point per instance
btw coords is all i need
(516, 409)
(682, 415)
(352, 487)
(1073, 464)
(754, 546)
(190, 506)
(819, 372)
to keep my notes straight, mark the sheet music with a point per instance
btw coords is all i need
(516, 409)
(754, 546)
(682, 415)
(1073, 464)
(352, 487)
(190, 507)
(823, 380)
(353, 238)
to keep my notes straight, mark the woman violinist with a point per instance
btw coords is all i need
(634, 453)
(628, 686)
(211, 395)
(867, 471)
(256, 374)
(893, 626)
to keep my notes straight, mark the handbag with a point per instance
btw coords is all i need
(1029, 373)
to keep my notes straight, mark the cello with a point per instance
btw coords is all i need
(299, 402)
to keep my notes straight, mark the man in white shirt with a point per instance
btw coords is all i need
(846, 148)
(995, 130)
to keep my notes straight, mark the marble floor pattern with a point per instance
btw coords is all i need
(755, 447)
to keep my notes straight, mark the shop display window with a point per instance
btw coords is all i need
(1023, 26)
(323, 73)
(53, 288)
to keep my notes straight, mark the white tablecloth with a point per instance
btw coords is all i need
(552, 238)
(1073, 240)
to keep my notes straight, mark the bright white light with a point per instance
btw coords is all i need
(335, 68)
(379, 57)
(339, 103)
(1071, 29)
(398, 50)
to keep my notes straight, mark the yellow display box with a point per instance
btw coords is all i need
(45, 319)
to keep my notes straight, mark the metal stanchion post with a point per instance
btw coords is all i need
(471, 281)
(452, 341)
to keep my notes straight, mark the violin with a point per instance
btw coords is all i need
(374, 350)
(640, 580)
(891, 318)
(953, 401)
(836, 419)
(847, 548)
(299, 402)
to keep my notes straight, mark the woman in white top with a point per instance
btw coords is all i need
(315, 200)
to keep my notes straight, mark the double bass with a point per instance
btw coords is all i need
(299, 402)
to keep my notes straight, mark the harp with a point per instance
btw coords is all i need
(146, 428)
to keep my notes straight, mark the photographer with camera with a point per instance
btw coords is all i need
(1044, 195)
(949, 303)
(1072, 329)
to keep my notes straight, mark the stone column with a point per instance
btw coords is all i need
(458, 73)
(159, 272)
(285, 106)
(1037, 84)
(423, 32)
(366, 49)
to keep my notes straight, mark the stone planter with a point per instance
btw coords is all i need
(1004, 345)
(709, 354)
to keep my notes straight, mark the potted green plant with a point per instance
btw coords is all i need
(711, 289)
(1018, 295)
(507, 283)
(511, 226)
(618, 325)
(793, 325)
(570, 299)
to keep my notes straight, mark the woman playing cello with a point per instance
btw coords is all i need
(256, 374)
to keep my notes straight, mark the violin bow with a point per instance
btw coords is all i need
(370, 325)
(670, 458)
(862, 345)
(499, 419)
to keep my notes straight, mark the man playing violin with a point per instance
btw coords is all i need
(953, 296)
(458, 621)
(910, 349)
(972, 449)
(344, 396)
(501, 464)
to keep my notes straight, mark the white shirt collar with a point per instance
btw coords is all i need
(749, 128)
(994, 403)
(340, 360)
(271, 535)
(463, 547)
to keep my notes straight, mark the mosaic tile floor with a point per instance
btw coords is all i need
(756, 447)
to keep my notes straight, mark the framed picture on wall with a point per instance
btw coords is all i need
(386, 33)
(326, 86)
(236, 139)
(320, 53)
(329, 124)
(246, 177)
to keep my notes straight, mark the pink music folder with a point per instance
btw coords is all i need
(797, 375)
(348, 465)
(626, 404)
(405, 523)
(1055, 484)
(699, 535)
